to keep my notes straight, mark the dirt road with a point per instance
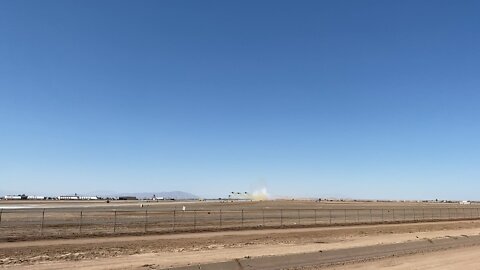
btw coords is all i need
(164, 251)
(452, 259)
(321, 259)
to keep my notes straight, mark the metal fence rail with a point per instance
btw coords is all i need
(35, 223)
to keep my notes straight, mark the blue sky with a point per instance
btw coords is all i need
(364, 99)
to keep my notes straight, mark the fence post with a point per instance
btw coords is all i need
(263, 217)
(242, 218)
(174, 219)
(414, 214)
(115, 222)
(345, 216)
(81, 221)
(315, 217)
(220, 218)
(383, 215)
(393, 210)
(358, 216)
(298, 214)
(43, 220)
(281, 217)
(1, 212)
(371, 218)
(404, 214)
(146, 220)
(194, 219)
(423, 214)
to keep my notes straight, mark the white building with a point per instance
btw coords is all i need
(67, 197)
(88, 198)
(12, 197)
(36, 198)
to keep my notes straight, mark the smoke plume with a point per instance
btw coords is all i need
(260, 194)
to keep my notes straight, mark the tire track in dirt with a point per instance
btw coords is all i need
(339, 256)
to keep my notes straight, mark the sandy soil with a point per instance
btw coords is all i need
(58, 219)
(162, 251)
(463, 258)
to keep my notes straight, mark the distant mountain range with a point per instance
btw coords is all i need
(178, 195)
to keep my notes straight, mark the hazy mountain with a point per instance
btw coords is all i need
(8, 192)
(102, 193)
(178, 195)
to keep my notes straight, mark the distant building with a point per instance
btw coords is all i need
(127, 198)
(68, 197)
(15, 197)
(88, 198)
(465, 202)
(36, 197)
(12, 197)
(76, 197)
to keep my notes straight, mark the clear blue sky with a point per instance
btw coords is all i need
(364, 99)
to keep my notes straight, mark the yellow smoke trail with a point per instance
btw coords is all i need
(260, 195)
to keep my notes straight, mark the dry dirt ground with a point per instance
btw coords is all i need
(462, 258)
(177, 250)
(34, 220)
(215, 204)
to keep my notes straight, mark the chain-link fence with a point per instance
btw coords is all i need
(50, 223)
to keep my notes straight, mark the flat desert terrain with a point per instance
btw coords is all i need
(433, 240)
(27, 220)
(461, 258)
